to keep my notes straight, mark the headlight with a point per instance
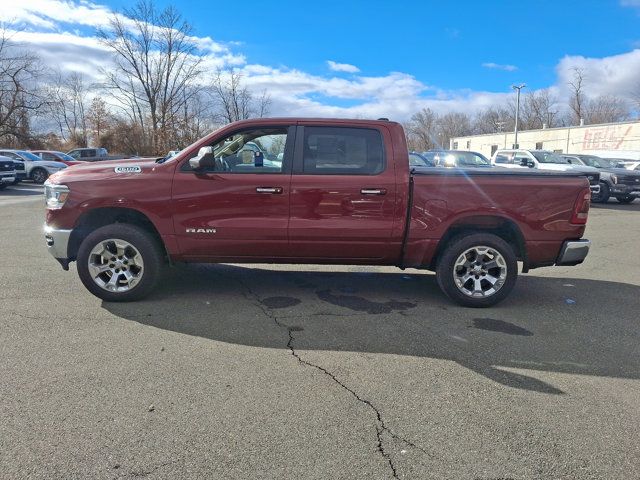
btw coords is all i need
(55, 195)
(614, 178)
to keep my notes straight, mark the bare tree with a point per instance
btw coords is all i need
(20, 96)
(577, 99)
(99, 119)
(232, 99)
(452, 124)
(421, 130)
(156, 66)
(605, 109)
(493, 120)
(67, 107)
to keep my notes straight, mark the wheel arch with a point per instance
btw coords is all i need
(498, 225)
(102, 216)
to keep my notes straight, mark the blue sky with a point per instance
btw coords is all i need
(398, 56)
(441, 43)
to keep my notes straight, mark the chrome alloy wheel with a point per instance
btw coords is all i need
(116, 265)
(480, 271)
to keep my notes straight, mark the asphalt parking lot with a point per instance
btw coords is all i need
(253, 371)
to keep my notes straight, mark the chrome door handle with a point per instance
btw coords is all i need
(373, 191)
(275, 190)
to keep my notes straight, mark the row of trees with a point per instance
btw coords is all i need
(538, 109)
(154, 97)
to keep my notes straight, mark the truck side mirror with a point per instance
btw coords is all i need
(203, 159)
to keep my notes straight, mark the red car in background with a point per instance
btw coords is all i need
(56, 156)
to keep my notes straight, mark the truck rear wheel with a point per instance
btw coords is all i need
(478, 270)
(119, 262)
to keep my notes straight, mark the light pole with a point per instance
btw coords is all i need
(517, 88)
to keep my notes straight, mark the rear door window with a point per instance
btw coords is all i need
(342, 150)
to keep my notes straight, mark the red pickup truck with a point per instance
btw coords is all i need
(312, 191)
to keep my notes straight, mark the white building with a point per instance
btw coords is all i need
(610, 140)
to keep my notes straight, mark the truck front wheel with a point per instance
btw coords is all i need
(603, 195)
(478, 270)
(119, 262)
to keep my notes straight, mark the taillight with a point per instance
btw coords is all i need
(581, 207)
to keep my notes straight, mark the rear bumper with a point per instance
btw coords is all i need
(573, 252)
(57, 244)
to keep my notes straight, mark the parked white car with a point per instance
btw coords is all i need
(544, 160)
(35, 167)
(632, 165)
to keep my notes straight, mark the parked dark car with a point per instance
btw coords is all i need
(7, 172)
(615, 181)
(419, 160)
(92, 155)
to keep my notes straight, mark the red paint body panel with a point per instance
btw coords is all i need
(322, 218)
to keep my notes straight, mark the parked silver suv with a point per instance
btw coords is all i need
(35, 168)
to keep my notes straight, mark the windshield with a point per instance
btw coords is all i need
(470, 159)
(29, 156)
(597, 162)
(550, 157)
(65, 157)
(416, 160)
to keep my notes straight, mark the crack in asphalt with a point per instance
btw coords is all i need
(381, 427)
(143, 473)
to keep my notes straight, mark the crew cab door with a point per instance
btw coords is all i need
(238, 205)
(343, 194)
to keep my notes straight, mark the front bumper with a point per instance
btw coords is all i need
(595, 189)
(630, 190)
(57, 244)
(573, 252)
(7, 178)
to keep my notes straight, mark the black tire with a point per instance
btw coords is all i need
(146, 245)
(446, 269)
(603, 196)
(626, 199)
(39, 175)
(16, 181)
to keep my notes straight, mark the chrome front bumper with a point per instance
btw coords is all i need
(595, 188)
(573, 252)
(7, 179)
(57, 243)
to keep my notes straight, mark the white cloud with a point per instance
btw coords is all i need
(614, 75)
(498, 66)
(60, 32)
(342, 67)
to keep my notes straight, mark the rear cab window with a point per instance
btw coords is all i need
(342, 151)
